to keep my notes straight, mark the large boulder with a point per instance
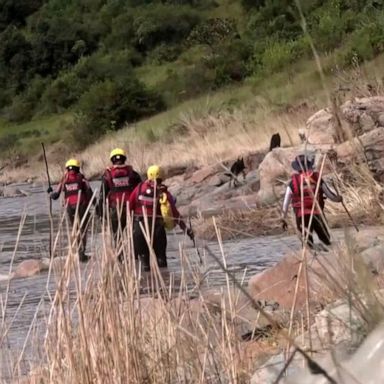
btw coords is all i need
(373, 143)
(364, 114)
(274, 170)
(369, 147)
(278, 283)
(322, 128)
(361, 367)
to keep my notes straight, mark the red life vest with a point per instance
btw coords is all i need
(120, 185)
(74, 189)
(148, 196)
(308, 181)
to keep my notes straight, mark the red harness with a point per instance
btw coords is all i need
(120, 186)
(148, 196)
(74, 189)
(303, 194)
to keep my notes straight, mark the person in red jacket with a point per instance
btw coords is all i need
(145, 200)
(117, 184)
(77, 195)
(306, 203)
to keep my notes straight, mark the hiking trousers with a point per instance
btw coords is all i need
(118, 220)
(82, 234)
(318, 226)
(159, 243)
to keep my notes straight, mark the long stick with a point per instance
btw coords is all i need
(350, 216)
(345, 208)
(50, 203)
(194, 242)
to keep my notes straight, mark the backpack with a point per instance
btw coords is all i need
(166, 212)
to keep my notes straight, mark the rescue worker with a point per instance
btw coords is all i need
(117, 184)
(146, 199)
(77, 195)
(302, 192)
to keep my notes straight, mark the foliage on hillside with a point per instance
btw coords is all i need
(117, 61)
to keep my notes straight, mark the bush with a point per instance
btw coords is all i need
(277, 56)
(66, 90)
(328, 27)
(213, 31)
(108, 105)
(164, 53)
(62, 92)
(163, 24)
(187, 83)
(362, 45)
(19, 111)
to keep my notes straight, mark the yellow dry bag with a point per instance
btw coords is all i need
(166, 212)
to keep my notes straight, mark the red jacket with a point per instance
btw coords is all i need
(143, 197)
(118, 183)
(304, 202)
(76, 189)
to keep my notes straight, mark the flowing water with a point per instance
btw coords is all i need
(29, 216)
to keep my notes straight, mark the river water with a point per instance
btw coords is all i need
(244, 257)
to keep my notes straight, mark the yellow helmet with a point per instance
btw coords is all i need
(117, 152)
(154, 172)
(72, 163)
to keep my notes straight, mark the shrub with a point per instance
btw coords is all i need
(62, 92)
(164, 53)
(163, 23)
(19, 111)
(213, 31)
(230, 62)
(187, 83)
(108, 105)
(277, 56)
(328, 31)
(8, 141)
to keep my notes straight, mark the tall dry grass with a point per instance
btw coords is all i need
(206, 139)
(196, 137)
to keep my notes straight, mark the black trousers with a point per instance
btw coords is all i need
(118, 219)
(82, 235)
(318, 226)
(159, 242)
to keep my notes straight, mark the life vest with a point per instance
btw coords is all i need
(166, 211)
(148, 196)
(74, 189)
(303, 205)
(120, 184)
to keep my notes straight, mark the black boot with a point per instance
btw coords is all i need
(83, 257)
(162, 262)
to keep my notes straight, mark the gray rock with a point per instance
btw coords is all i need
(380, 120)
(321, 128)
(374, 258)
(364, 366)
(10, 191)
(366, 123)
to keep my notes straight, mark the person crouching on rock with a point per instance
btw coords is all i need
(302, 193)
(146, 200)
(77, 195)
(117, 184)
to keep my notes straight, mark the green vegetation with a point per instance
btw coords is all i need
(26, 137)
(111, 62)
